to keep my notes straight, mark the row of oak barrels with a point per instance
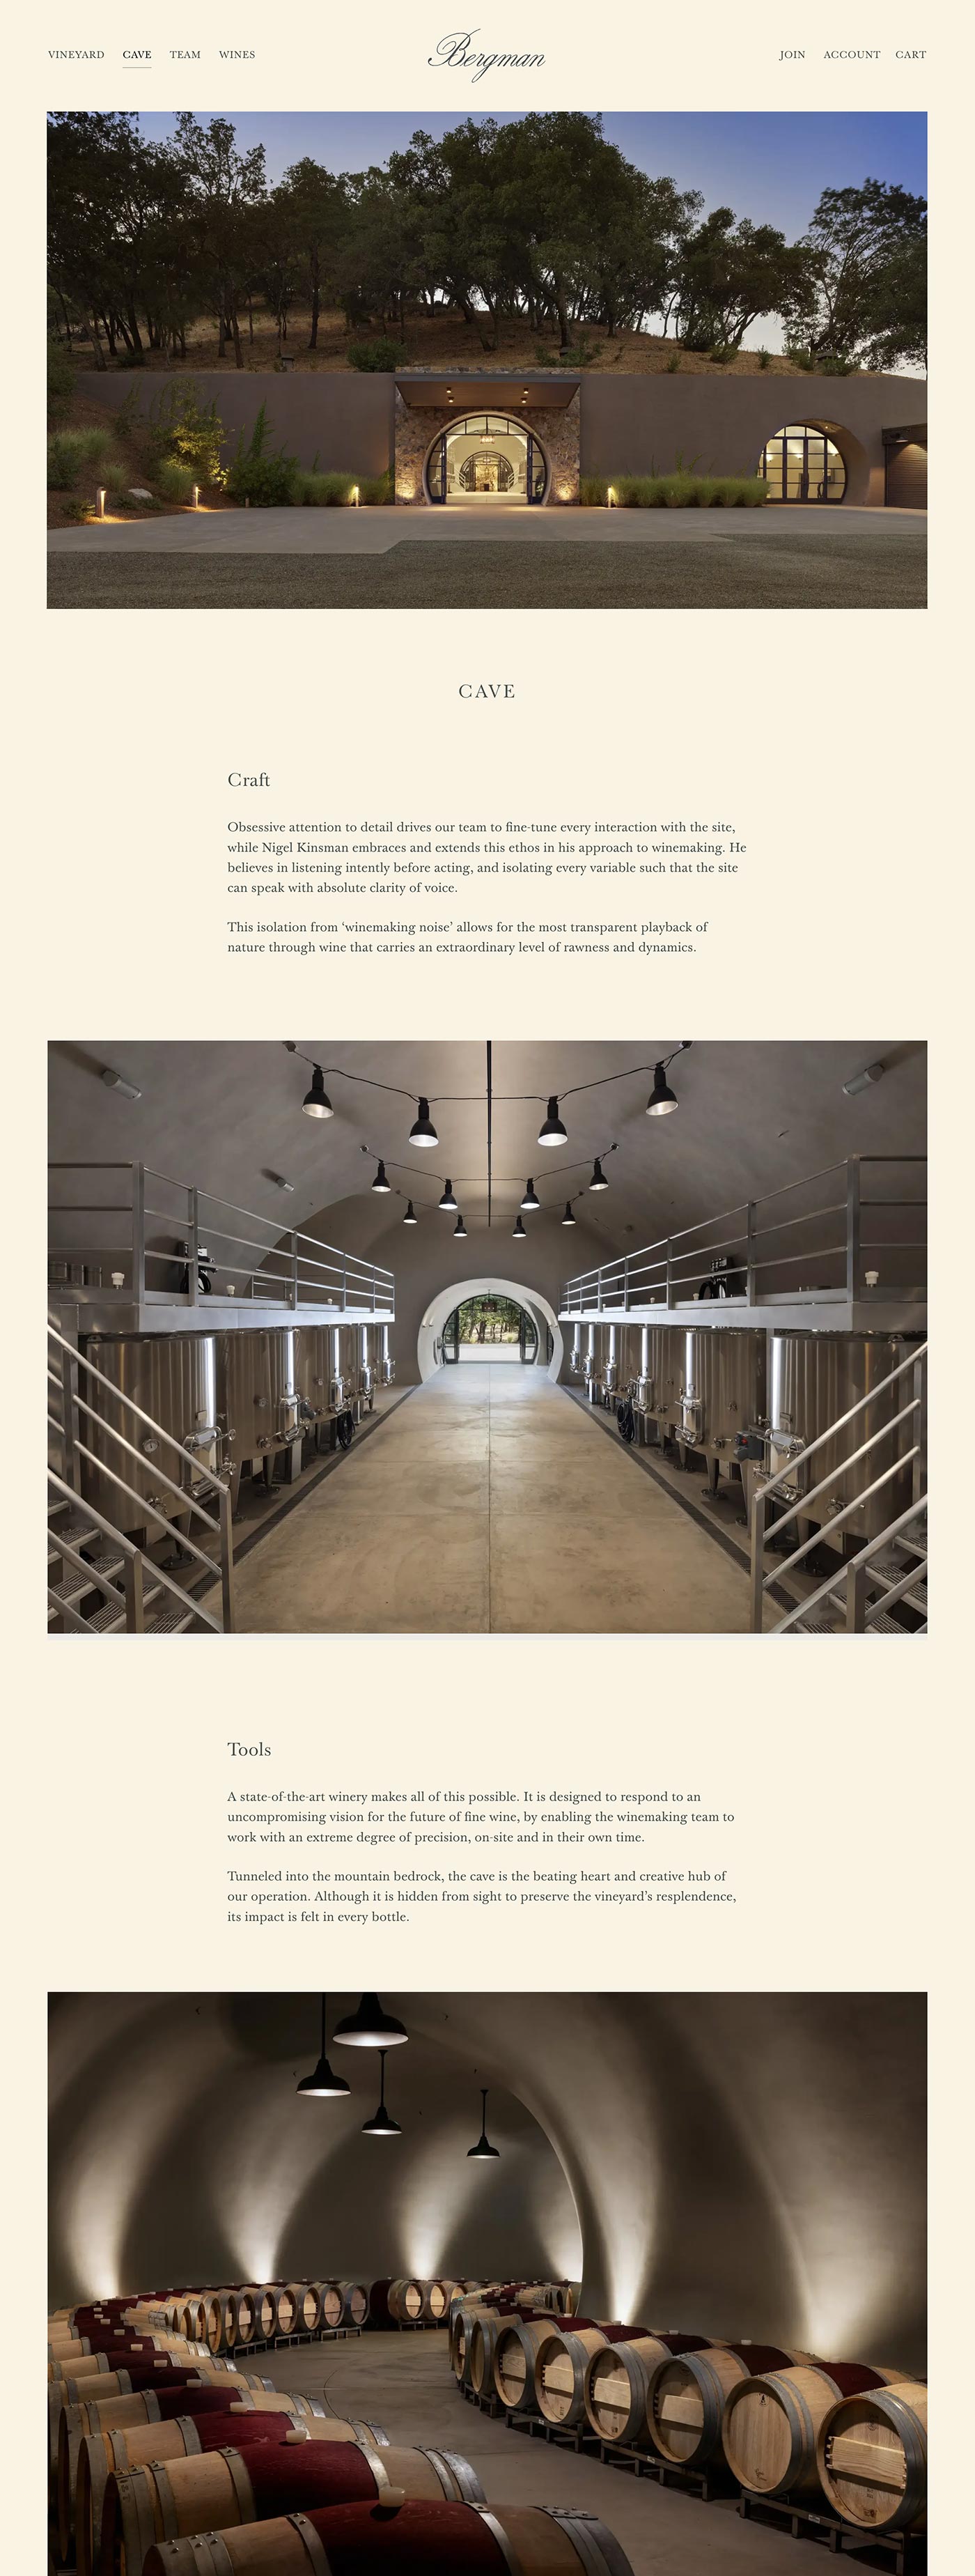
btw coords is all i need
(234, 2316)
(787, 2423)
(192, 2467)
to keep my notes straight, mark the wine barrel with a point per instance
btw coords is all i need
(95, 2352)
(687, 2393)
(771, 2423)
(405, 2302)
(220, 2319)
(344, 2303)
(86, 2458)
(516, 2350)
(412, 2539)
(70, 2393)
(158, 2406)
(125, 2356)
(482, 2341)
(561, 2361)
(226, 2488)
(436, 2301)
(616, 2380)
(872, 2457)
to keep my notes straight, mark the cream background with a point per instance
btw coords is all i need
(849, 1777)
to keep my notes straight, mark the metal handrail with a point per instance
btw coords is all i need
(73, 1405)
(672, 1258)
(808, 1449)
(82, 1361)
(301, 1254)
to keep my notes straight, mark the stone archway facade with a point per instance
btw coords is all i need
(442, 1305)
(416, 430)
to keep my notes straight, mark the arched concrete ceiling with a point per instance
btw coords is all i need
(753, 1115)
(737, 2164)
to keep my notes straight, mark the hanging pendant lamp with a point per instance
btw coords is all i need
(599, 1180)
(483, 2152)
(316, 1103)
(460, 1231)
(410, 1218)
(518, 1231)
(531, 1198)
(370, 2027)
(323, 2084)
(381, 1183)
(382, 2125)
(423, 1131)
(662, 1100)
(568, 1218)
(448, 1200)
(552, 1130)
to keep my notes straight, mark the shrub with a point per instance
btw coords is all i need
(266, 480)
(764, 359)
(592, 490)
(60, 380)
(183, 428)
(802, 358)
(377, 357)
(376, 490)
(836, 366)
(722, 353)
(673, 364)
(73, 452)
(175, 480)
(77, 511)
(313, 491)
(682, 490)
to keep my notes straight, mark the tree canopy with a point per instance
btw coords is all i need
(538, 219)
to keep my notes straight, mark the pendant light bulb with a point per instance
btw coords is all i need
(423, 1131)
(518, 1231)
(411, 1217)
(370, 2027)
(568, 1218)
(381, 1184)
(448, 1200)
(662, 1100)
(483, 2152)
(460, 1231)
(531, 1198)
(323, 2084)
(316, 1103)
(381, 2124)
(599, 1180)
(553, 1130)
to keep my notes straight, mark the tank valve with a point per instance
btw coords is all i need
(150, 1447)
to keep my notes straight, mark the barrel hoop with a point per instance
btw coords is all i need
(311, 2544)
(167, 2501)
(377, 2435)
(500, 2536)
(135, 2500)
(915, 2452)
(313, 2406)
(186, 2424)
(794, 2407)
(241, 2484)
(441, 2471)
(120, 2455)
(381, 2475)
(460, 2469)
(211, 2551)
(152, 2407)
(597, 2549)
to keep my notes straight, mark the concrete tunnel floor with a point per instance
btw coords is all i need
(404, 2382)
(489, 1501)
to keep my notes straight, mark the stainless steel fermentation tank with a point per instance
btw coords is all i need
(814, 1379)
(258, 1404)
(172, 1377)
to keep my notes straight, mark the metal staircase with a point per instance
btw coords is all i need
(860, 1596)
(102, 1581)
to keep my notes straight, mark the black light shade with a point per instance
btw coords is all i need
(531, 1198)
(552, 1130)
(568, 1218)
(423, 1131)
(370, 2027)
(381, 2124)
(460, 1231)
(410, 1218)
(599, 1180)
(316, 1103)
(323, 2084)
(381, 1183)
(662, 1099)
(518, 1231)
(483, 2150)
(448, 1200)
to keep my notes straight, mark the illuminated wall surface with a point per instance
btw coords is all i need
(727, 2164)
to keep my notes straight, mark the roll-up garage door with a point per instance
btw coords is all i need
(907, 476)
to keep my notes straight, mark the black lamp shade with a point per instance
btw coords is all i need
(316, 1103)
(568, 1218)
(410, 1218)
(423, 1131)
(531, 1198)
(448, 1200)
(483, 2153)
(518, 1231)
(662, 1099)
(599, 1180)
(381, 2125)
(323, 2083)
(553, 1130)
(370, 2027)
(381, 1183)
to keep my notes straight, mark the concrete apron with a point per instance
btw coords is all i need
(489, 1501)
(374, 532)
(404, 2382)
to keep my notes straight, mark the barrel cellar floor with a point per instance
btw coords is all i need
(403, 2381)
(489, 1501)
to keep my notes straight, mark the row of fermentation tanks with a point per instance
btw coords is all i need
(235, 1401)
(745, 1403)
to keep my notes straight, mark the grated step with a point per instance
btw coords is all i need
(172, 1622)
(819, 1624)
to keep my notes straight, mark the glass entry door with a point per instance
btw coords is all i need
(802, 464)
(450, 1340)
